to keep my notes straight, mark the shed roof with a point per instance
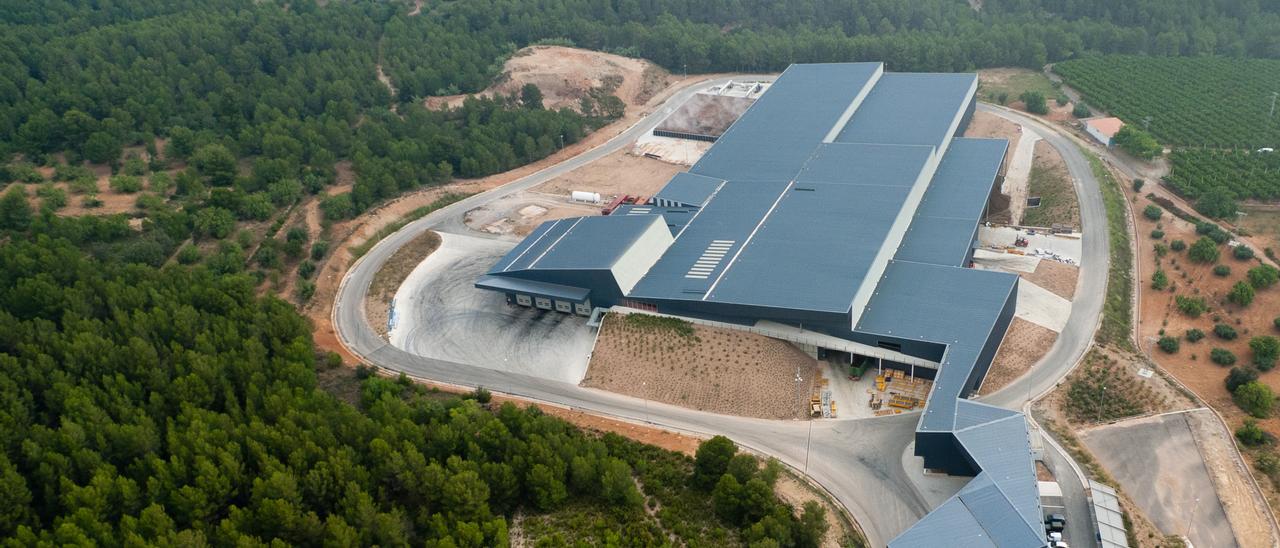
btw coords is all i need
(689, 189)
(1107, 126)
(576, 243)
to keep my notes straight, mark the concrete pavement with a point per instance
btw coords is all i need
(859, 461)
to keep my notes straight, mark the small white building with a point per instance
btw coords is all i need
(1103, 129)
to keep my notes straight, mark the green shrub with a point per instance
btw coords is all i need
(52, 198)
(1240, 376)
(189, 254)
(1250, 434)
(1264, 276)
(1204, 251)
(1159, 280)
(1224, 332)
(1191, 306)
(1242, 252)
(1266, 349)
(318, 249)
(1222, 271)
(1081, 110)
(1177, 245)
(1152, 212)
(1255, 398)
(1241, 294)
(1276, 322)
(1222, 356)
(1161, 250)
(306, 269)
(1034, 102)
(1193, 335)
(125, 184)
(1168, 344)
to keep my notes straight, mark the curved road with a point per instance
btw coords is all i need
(858, 461)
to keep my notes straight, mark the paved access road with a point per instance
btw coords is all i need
(1086, 311)
(859, 461)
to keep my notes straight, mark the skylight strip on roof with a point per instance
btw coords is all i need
(749, 237)
(553, 244)
(532, 245)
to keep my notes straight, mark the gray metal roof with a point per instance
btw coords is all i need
(779, 132)
(689, 189)
(947, 219)
(1107, 516)
(910, 109)
(676, 217)
(576, 243)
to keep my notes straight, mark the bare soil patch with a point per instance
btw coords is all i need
(1050, 181)
(1230, 479)
(1023, 346)
(710, 369)
(796, 492)
(382, 290)
(566, 75)
(614, 175)
(1059, 278)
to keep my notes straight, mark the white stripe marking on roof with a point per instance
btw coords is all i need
(535, 242)
(553, 244)
(747, 242)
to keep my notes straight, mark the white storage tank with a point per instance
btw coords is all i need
(586, 197)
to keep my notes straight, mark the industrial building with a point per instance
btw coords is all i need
(843, 203)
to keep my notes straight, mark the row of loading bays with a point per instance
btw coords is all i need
(546, 303)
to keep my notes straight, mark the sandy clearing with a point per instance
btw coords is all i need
(1023, 346)
(1059, 278)
(716, 370)
(614, 175)
(1242, 504)
(683, 152)
(566, 75)
(1041, 307)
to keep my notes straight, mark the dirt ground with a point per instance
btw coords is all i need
(1023, 346)
(1050, 182)
(1263, 224)
(715, 370)
(795, 492)
(1059, 278)
(614, 175)
(1230, 480)
(566, 75)
(522, 212)
(382, 290)
(1159, 311)
(1014, 81)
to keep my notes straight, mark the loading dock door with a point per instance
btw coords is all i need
(542, 302)
(582, 309)
(524, 300)
(565, 307)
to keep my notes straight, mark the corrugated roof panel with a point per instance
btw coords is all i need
(732, 216)
(865, 164)
(910, 109)
(950, 524)
(1002, 449)
(688, 189)
(995, 515)
(580, 243)
(937, 240)
(805, 270)
(963, 181)
(779, 132)
(972, 413)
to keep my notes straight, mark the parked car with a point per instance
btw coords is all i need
(1055, 523)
